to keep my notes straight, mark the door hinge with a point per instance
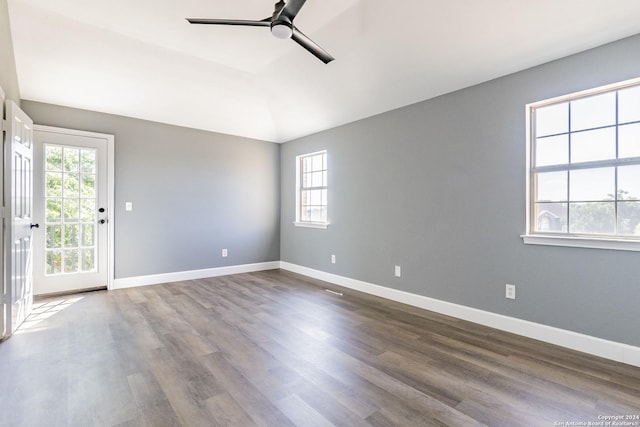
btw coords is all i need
(4, 125)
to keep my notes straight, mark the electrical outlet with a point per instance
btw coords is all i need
(225, 253)
(510, 291)
(128, 206)
(333, 259)
(398, 272)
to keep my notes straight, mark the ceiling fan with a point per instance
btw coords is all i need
(281, 24)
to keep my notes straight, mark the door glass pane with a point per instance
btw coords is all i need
(87, 186)
(71, 159)
(87, 234)
(54, 210)
(71, 232)
(54, 262)
(71, 186)
(594, 111)
(88, 210)
(88, 260)
(71, 210)
(71, 260)
(88, 161)
(592, 218)
(54, 236)
(53, 158)
(53, 184)
(592, 185)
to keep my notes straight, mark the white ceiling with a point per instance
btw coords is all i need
(142, 59)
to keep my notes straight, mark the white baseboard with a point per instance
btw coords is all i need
(155, 279)
(612, 350)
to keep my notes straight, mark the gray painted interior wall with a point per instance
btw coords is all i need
(439, 188)
(8, 74)
(193, 192)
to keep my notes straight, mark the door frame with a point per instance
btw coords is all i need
(3, 289)
(110, 188)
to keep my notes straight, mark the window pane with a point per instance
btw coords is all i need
(552, 187)
(629, 182)
(317, 163)
(551, 217)
(316, 180)
(593, 145)
(552, 120)
(319, 214)
(316, 197)
(552, 150)
(629, 141)
(629, 218)
(629, 105)
(591, 185)
(592, 218)
(594, 111)
(53, 157)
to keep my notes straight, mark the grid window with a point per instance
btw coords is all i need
(312, 189)
(585, 164)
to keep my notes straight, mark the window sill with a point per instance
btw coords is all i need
(322, 225)
(582, 242)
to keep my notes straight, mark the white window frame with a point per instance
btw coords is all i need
(300, 188)
(614, 242)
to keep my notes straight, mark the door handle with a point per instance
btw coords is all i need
(35, 226)
(102, 221)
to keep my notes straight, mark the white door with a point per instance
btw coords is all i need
(71, 204)
(18, 204)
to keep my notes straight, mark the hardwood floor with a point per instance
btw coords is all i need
(275, 349)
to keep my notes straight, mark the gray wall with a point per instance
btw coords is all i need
(193, 193)
(8, 75)
(439, 188)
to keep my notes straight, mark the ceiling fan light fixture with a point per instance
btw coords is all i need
(281, 30)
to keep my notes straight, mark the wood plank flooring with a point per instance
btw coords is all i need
(275, 349)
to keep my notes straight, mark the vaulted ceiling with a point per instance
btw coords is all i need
(142, 59)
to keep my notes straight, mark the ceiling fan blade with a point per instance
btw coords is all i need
(291, 8)
(263, 23)
(311, 46)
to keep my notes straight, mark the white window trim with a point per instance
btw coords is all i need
(307, 224)
(568, 240)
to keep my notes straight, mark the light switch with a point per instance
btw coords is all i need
(128, 206)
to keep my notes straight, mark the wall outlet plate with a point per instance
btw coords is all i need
(225, 253)
(398, 271)
(333, 259)
(510, 291)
